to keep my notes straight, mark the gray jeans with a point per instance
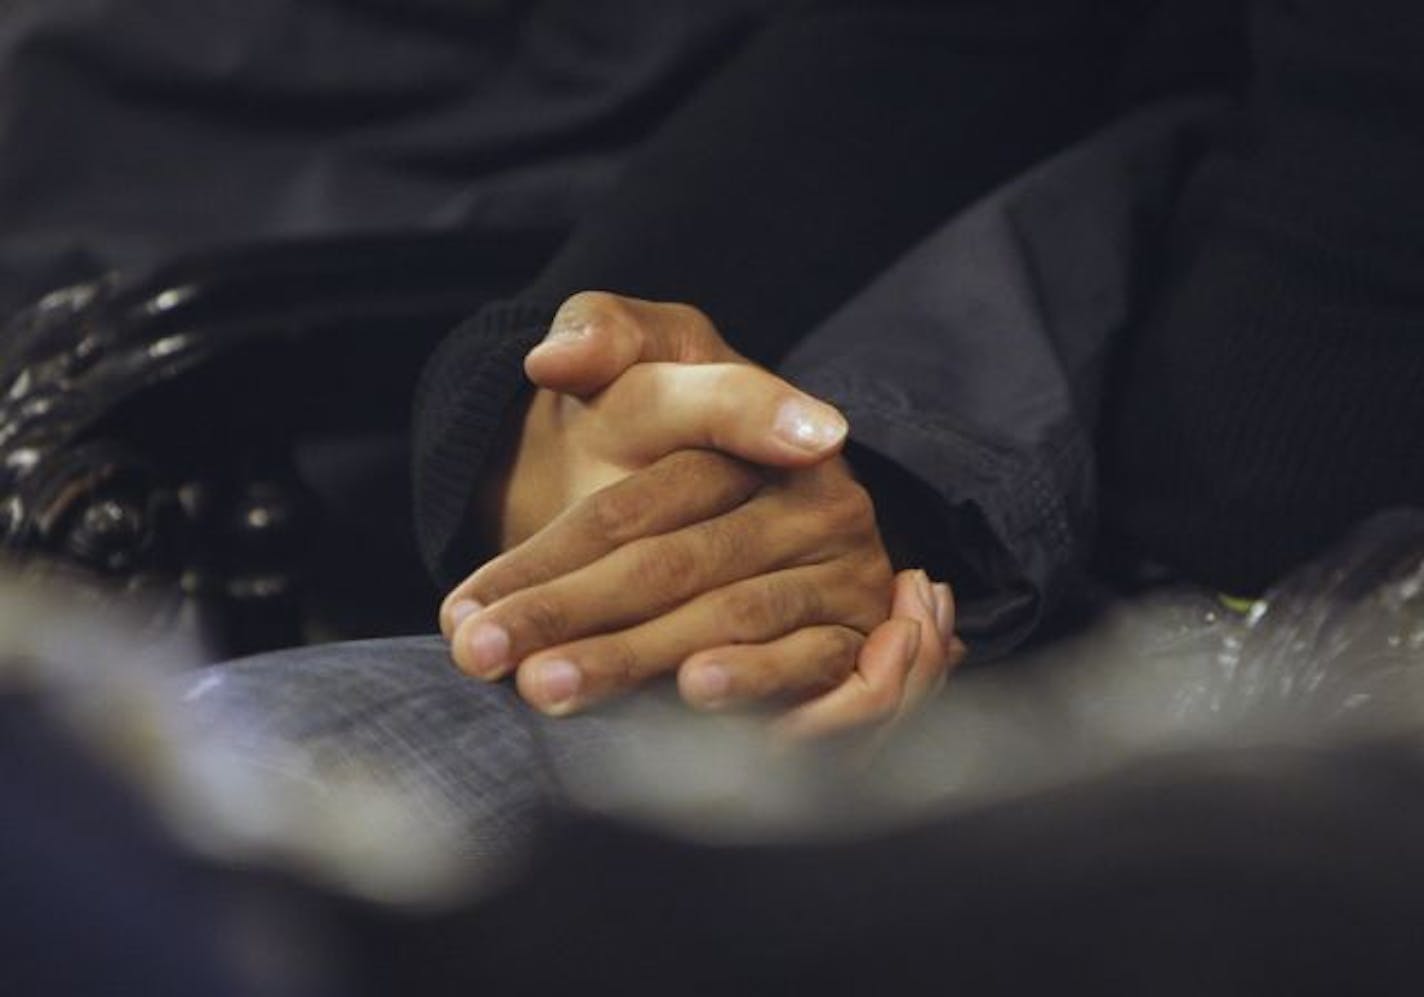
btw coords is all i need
(397, 713)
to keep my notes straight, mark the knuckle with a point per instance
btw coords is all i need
(858, 593)
(708, 480)
(850, 509)
(708, 468)
(842, 649)
(593, 305)
(496, 580)
(664, 565)
(600, 313)
(754, 612)
(616, 662)
(490, 591)
(877, 577)
(840, 510)
(747, 613)
(687, 311)
(697, 332)
(803, 603)
(616, 514)
(728, 542)
(689, 316)
(539, 619)
(845, 645)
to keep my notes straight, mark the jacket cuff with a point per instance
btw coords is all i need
(1001, 525)
(468, 390)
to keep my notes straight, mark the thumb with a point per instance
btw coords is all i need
(596, 336)
(736, 408)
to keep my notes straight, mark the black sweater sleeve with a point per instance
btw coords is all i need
(842, 133)
(468, 395)
(1276, 394)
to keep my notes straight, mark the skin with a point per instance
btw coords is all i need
(671, 508)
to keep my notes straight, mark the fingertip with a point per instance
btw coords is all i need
(463, 609)
(704, 684)
(565, 367)
(809, 428)
(552, 686)
(585, 348)
(481, 649)
(456, 611)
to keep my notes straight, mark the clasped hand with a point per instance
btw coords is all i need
(669, 506)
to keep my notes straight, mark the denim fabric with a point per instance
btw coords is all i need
(397, 711)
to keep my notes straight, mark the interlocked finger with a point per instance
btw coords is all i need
(638, 581)
(812, 660)
(596, 336)
(903, 662)
(755, 610)
(736, 408)
(683, 488)
(871, 694)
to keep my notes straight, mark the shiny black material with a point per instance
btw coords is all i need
(147, 422)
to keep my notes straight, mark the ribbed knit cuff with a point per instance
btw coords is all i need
(468, 390)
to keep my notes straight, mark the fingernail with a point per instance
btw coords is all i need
(708, 684)
(944, 613)
(463, 610)
(558, 682)
(809, 425)
(488, 645)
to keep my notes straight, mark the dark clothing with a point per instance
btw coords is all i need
(1275, 393)
(134, 133)
(1253, 397)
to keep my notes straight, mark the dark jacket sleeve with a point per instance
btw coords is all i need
(972, 368)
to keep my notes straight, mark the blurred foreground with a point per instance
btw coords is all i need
(1183, 798)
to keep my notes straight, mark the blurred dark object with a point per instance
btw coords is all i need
(1244, 872)
(228, 431)
(102, 901)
